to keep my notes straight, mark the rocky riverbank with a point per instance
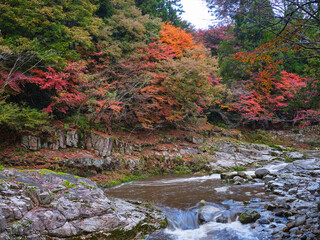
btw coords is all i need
(298, 188)
(295, 211)
(40, 204)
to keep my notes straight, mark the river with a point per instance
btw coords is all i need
(179, 196)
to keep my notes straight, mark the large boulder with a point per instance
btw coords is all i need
(45, 204)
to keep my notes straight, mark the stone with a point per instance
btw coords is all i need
(300, 220)
(228, 175)
(94, 224)
(3, 223)
(72, 138)
(7, 212)
(263, 221)
(207, 213)
(31, 142)
(225, 217)
(269, 206)
(44, 198)
(283, 213)
(249, 216)
(79, 209)
(260, 173)
(288, 226)
(67, 230)
(197, 140)
(238, 179)
(295, 155)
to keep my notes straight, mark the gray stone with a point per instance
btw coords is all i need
(207, 213)
(67, 230)
(83, 208)
(31, 142)
(263, 221)
(3, 223)
(260, 173)
(295, 155)
(44, 197)
(94, 224)
(300, 220)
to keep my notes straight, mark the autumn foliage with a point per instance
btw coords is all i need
(105, 64)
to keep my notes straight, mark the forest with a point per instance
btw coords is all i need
(105, 64)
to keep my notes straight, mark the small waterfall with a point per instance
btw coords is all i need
(180, 219)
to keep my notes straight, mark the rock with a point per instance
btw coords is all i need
(87, 163)
(283, 214)
(72, 138)
(269, 206)
(273, 225)
(249, 216)
(225, 217)
(300, 220)
(44, 197)
(31, 142)
(260, 173)
(228, 175)
(294, 230)
(78, 207)
(206, 213)
(288, 226)
(295, 155)
(95, 224)
(238, 179)
(67, 230)
(197, 140)
(189, 151)
(263, 221)
(3, 223)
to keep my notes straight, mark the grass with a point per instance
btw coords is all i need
(68, 184)
(238, 168)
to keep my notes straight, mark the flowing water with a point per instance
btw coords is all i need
(179, 196)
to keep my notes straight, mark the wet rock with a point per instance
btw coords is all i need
(300, 220)
(295, 155)
(260, 173)
(224, 217)
(263, 221)
(206, 213)
(255, 200)
(288, 226)
(273, 225)
(269, 206)
(238, 180)
(228, 175)
(283, 213)
(249, 216)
